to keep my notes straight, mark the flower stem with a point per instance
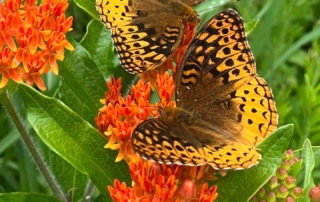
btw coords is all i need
(4, 98)
(88, 191)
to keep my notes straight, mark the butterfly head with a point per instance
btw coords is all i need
(186, 12)
(193, 18)
(165, 111)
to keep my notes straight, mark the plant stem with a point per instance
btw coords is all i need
(4, 98)
(88, 190)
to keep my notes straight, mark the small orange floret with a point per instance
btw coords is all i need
(6, 57)
(207, 195)
(120, 192)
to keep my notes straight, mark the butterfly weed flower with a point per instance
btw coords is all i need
(119, 115)
(32, 39)
(151, 181)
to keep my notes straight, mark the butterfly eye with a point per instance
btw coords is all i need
(162, 112)
(182, 116)
(141, 13)
(192, 19)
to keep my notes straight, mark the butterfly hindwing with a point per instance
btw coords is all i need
(181, 138)
(166, 141)
(255, 110)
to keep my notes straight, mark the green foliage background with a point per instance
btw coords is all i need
(286, 46)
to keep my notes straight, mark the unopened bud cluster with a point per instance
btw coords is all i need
(281, 186)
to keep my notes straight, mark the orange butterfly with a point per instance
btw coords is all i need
(224, 108)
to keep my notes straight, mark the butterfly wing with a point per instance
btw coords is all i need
(217, 80)
(181, 138)
(144, 33)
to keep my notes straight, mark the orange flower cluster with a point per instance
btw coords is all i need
(164, 183)
(152, 181)
(32, 39)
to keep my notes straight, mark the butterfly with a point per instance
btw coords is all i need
(146, 33)
(223, 107)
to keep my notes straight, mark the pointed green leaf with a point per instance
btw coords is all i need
(98, 43)
(82, 84)
(101, 198)
(316, 152)
(250, 26)
(88, 6)
(296, 168)
(73, 139)
(308, 165)
(100, 46)
(309, 162)
(245, 183)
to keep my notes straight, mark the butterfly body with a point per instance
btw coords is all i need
(146, 33)
(223, 107)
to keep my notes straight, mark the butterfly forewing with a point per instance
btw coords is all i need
(146, 33)
(218, 59)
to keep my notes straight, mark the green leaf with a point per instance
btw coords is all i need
(73, 139)
(88, 6)
(98, 43)
(316, 153)
(205, 9)
(296, 168)
(308, 164)
(245, 183)
(27, 197)
(101, 198)
(82, 84)
(250, 26)
(308, 160)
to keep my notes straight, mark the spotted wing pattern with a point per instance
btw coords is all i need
(146, 33)
(224, 108)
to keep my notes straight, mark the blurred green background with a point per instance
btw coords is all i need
(286, 46)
